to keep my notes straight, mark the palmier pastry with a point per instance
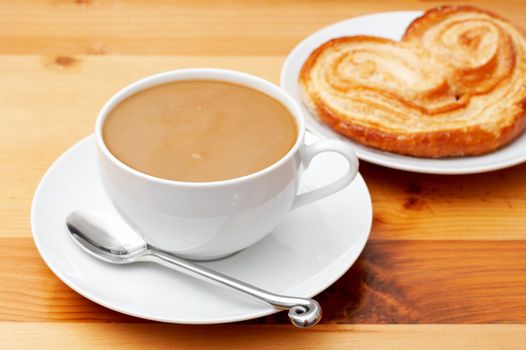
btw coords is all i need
(455, 85)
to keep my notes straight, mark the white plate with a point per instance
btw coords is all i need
(389, 25)
(310, 249)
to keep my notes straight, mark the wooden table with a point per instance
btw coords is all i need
(446, 263)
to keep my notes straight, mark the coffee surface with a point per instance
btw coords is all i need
(199, 131)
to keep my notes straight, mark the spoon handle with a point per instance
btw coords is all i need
(303, 312)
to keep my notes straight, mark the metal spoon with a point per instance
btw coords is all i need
(110, 239)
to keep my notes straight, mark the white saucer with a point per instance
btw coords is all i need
(389, 25)
(310, 250)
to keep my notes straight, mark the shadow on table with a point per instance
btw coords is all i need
(340, 302)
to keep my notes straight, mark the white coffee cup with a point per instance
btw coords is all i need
(208, 220)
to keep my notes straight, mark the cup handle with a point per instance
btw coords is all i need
(311, 151)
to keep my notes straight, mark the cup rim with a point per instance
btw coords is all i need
(213, 74)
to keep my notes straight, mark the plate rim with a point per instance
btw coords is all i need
(343, 263)
(389, 163)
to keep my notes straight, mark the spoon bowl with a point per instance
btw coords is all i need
(105, 238)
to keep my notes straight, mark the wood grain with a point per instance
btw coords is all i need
(488, 206)
(81, 336)
(392, 282)
(431, 282)
(187, 27)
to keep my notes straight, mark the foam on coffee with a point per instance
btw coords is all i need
(199, 131)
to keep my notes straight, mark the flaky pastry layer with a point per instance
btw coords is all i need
(455, 85)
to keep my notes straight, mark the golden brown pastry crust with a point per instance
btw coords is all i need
(465, 95)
